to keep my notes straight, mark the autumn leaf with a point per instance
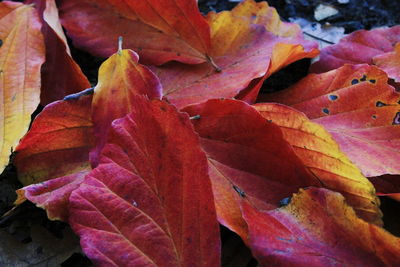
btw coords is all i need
(158, 30)
(322, 156)
(242, 50)
(61, 75)
(318, 228)
(121, 77)
(149, 201)
(21, 56)
(361, 47)
(58, 142)
(358, 107)
(390, 62)
(53, 195)
(248, 158)
(76, 130)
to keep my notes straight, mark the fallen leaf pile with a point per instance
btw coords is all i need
(176, 137)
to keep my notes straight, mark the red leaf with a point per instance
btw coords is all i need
(149, 201)
(242, 50)
(318, 228)
(358, 47)
(58, 142)
(121, 78)
(390, 62)
(361, 111)
(248, 158)
(159, 30)
(53, 195)
(61, 75)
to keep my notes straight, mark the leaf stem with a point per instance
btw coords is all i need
(211, 61)
(120, 40)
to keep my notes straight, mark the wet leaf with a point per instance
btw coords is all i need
(149, 202)
(168, 30)
(21, 56)
(358, 107)
(318, 228)
(323, 158)
(248, 159)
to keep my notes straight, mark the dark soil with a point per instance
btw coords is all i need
(355, 15)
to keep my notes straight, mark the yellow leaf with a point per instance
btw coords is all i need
(21, 56)
(322, 156)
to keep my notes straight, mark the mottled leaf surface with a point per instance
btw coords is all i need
(358, 107)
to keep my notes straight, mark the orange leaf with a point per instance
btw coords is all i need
(318, 228)
(60, 74)
(121, 78)
(21, 56)
(322, 156)
(58, 142)
(248, 158)
(159, 30)
(243, 51)
(149, 201)
(361, 111)
(358, 47)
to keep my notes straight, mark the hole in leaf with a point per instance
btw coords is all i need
(354, 81)
(363, 78)
(396, 120)
(325, 110)
(380, 104)
(372, 81)
(285, 201)
(333, 97)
